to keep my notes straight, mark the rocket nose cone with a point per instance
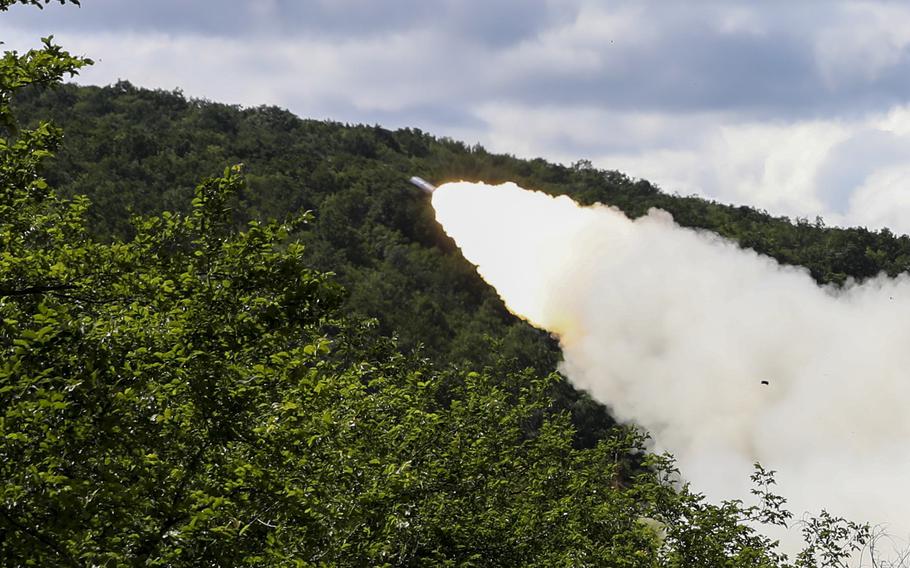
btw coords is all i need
(423, 185)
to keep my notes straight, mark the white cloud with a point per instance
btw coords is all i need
(801, 111)
(741, 20)
(777, 164)
(784, 168)
(308, 75)
(869, 39)
(848, 171)
(883, 200)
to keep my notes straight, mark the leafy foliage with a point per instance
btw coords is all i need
(39, 67)
(193, 389)
(133, 150)
(193, 396)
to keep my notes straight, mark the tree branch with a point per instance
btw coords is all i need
(35, 535)
(36, 290)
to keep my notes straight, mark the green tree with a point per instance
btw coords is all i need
(192, 394)
(133, 150)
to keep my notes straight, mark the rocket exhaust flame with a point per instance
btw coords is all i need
(723, 355)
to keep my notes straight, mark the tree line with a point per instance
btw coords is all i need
(185, 382)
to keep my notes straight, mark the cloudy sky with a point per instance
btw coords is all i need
(800, 108)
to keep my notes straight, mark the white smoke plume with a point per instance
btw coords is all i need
(676, 330)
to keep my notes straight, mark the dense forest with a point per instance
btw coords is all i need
(236, 337)
(133, 150)
(139, 151)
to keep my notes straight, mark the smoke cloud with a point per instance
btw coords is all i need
(725, 356)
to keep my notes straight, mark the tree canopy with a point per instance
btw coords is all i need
(138, 151)
(190, 385)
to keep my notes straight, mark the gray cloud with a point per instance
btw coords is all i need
(701, 97)
(849, 164)
(760, 60)
(495, 24)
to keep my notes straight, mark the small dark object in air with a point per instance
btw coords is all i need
(765, 383)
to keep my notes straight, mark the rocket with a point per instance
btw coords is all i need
(423, 185)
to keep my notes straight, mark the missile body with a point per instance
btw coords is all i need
(423, 185)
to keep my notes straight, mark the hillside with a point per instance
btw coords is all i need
(193, 388)
(132, 150)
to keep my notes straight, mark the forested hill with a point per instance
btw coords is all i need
(193, 389)
(136, 150)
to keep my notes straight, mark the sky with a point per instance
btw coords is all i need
(798, 108)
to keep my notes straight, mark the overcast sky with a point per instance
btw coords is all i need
(800, 108)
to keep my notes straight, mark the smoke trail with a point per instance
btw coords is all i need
(678, 331)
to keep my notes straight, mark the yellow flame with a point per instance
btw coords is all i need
(519, 240)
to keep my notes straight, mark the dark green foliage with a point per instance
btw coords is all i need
(38, 67)
(192, 396)
(188, 393)
(135, 150)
